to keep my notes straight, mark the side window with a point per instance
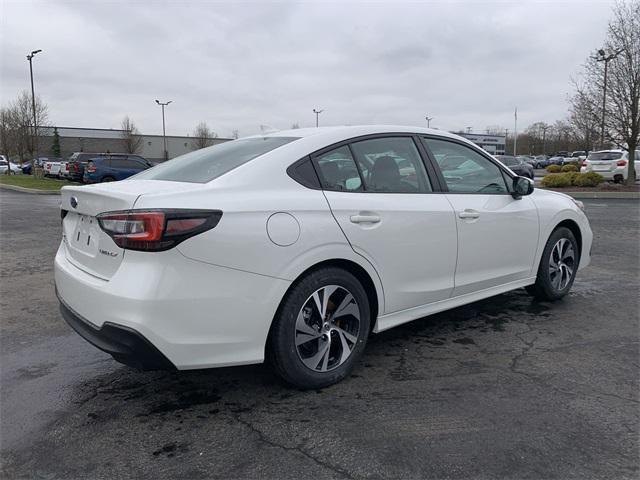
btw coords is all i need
(338, 170)
(120, 163)
(391, 165)
(464, 170)
(138, 165)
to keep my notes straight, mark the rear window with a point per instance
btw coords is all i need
(605, 156)
(206, 164)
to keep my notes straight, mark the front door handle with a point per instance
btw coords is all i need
(469, 213)
(365, 219)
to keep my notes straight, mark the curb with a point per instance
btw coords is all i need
(613, 195)
(35, 191)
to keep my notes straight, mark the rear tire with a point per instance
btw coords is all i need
(309, 349)
(558, 266)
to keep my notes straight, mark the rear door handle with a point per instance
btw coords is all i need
(365, 219)
(469, 213)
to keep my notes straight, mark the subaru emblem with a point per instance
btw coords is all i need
(73, 202)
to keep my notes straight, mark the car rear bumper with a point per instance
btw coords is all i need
(123, 343)
(195, 314)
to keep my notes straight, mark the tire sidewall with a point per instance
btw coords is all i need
(544, 279)
(283, 349)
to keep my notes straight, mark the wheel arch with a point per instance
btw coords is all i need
(350, 266)
(574, 228)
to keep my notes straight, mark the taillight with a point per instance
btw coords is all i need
(75, 167)
(584, 163)
(91, 168)
(621, 163)
(156, 230)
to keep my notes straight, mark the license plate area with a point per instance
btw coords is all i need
(86, 235)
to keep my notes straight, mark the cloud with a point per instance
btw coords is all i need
(241, 64)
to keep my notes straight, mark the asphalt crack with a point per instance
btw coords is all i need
(263, 438)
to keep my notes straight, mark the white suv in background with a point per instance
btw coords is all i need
(611, 164)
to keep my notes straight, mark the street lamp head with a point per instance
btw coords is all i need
(36, 51)
(169, 102)
(157, 101)
(601, 52)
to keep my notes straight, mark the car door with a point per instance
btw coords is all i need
(382, 198)
(497, 233)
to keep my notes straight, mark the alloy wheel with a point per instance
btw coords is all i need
(561, 264)
(327, 328)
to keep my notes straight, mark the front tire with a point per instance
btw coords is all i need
(321, 329)
(558, 266)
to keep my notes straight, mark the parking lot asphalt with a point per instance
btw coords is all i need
(503, 388)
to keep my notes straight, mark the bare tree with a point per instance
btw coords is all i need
(621, 106)
(130, 136)
(203, 136)
(16, 126)
(583, 119)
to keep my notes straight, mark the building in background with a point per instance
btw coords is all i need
(494, 144)
(102, 140)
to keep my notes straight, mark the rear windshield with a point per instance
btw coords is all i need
(206, 164)
(605, 156)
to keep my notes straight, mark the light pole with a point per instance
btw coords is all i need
(469, 129)
(317, 112)
(428, 119)
(164, 133)
(603, 57)
(33, 103)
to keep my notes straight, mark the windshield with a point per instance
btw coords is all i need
(605, 156)
(208, 163)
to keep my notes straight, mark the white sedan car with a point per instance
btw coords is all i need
(611, 164)
(296, 245)
(5, 165)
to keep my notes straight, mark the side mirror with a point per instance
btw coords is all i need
(522, 186)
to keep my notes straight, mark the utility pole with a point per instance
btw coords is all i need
(317, 112)
(515, 131)
(33, 104)
(506, 137)
(544, 138)
(428, 119)
(164, 133)
(603, 57)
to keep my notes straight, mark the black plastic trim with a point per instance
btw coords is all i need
(124, 344)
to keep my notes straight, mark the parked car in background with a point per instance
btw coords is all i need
(52, 168)
(6, 165)
(611, 164)
(579, 155)
(64, 170)
(78, 161)
(295, 245)
(531, 160)
(542, 161)
(517, 165)
(555, 160)
(113, 168)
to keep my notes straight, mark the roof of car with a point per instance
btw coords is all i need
(350, 131)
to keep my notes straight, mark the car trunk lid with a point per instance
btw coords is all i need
(87, 246)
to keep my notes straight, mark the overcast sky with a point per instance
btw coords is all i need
(237, 65)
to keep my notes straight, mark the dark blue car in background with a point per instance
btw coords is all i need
(113, 168)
